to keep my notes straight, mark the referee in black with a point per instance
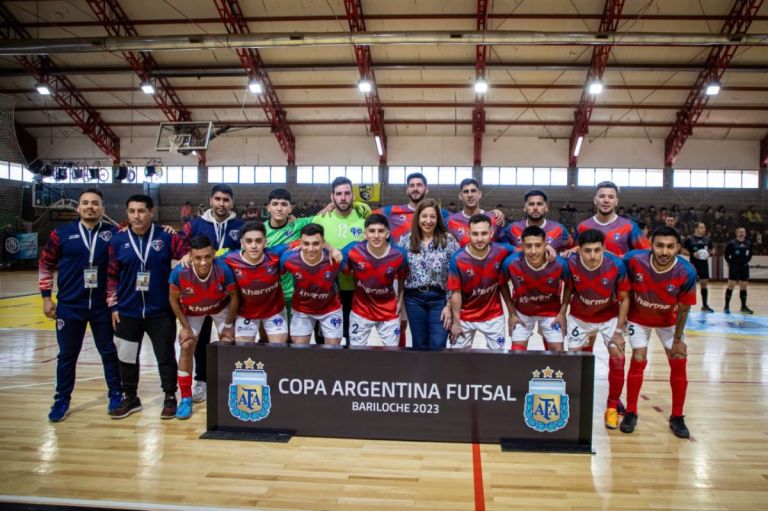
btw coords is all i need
(738, 253)
(698, 247)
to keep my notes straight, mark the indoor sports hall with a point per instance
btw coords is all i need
(170, 100)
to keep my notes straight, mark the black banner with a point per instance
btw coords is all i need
(526, 399)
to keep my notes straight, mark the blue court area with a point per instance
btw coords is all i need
(734, 324)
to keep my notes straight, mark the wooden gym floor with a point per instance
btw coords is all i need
(144, 463)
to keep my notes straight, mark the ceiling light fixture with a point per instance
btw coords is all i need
(578, 145)
(595, 87)
(43, 89)
(379, 145)
(712, 88)
(147, 87)
(481, 86)
(255, 87)
(365, 86)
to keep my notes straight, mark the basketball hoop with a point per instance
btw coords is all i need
(176, 140)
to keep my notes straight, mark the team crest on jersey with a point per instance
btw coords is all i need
(335, 321)
(298, 276)
(389, 270)
(105, 235)
(546, 403)
(361, 265)
(157, 245)
(327, 275)
(59, 324)
(605, 281)
(402, 218)
(639, 277)
(288, 233)
(549, 240)
(550, 280)
(470, 272)
(356, 232)
(234, 234)
(249, 396)
(189, 290)
(670, 288)
(461, 231)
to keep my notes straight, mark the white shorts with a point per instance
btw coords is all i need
(493, 330)
(276, 324)
(331, 324)
(548, 329)
(640, 335)
(219, 319)
(360, 330)
(579, 331)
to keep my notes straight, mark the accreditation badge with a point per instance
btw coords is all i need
(91, 278)
(142, 281)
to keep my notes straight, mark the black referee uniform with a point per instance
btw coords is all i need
(737, 255)
(693, 244)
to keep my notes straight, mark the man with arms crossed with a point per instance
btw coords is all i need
(375, 264)
(699, 248)
(598, 293)
(80, 251)
(475, 280)
(205, 288)
(316, 297)
(663, 291)
(537, 286)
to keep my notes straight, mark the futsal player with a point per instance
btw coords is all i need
(738, 253)
(256, 270)
(699, 248)
(663, 291)
(137, 292)
(79, 251)
(598, 294)
(316, 296)
(475, 281)
(536, 207)
(375, 265)
(204, 288)
(537, 284)
(458, 223)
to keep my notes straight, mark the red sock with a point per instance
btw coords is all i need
(402, 341)
(678, 380)
(590, 349)
(185, 386)
(615, 380)
(634, 382)
(518, 347)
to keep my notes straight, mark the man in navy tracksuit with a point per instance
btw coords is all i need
(79, 250)
(221, 225)
(137, 292)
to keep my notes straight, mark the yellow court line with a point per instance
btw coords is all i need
(24, 313)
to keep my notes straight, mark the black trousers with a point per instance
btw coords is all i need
(201, 353)
(162, 332)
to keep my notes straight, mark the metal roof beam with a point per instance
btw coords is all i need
(68, 97)
(356, 20)
(250, 59)
(600, 54)
(736, 25)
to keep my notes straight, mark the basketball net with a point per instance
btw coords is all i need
(175, 141)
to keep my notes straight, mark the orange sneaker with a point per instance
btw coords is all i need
(611, 418)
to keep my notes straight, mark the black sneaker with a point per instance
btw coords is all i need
(128, 406)
(678, 427)
(628, 423)
(727, 310)
(747, 310)
(169, 407)
(620, 409)
(707, 308)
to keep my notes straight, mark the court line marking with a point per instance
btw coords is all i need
(53, 382)
(19, 296)
(477, 475)
(114, 504)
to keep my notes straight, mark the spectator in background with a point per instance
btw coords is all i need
(754, 216)
(671, 221)
(720, 212)
(621, 212)
(186, 212)
(709, 216)
(644, 228)
(201, 209)
(688, 219)
(251, 212)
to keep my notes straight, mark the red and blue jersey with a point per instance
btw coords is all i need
(315, 289)
(66, 250)
(458, 225)
(595, 293)
(203, 297)
(557, 235)
(261, 295)
(375, 298)
(400, 219)
(621, 234)
(655, 295)
(537, 290)
(479, 281)
(124, 266)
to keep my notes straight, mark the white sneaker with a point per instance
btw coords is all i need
(199, 392)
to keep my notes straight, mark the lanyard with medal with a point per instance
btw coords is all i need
(90, 274)
(142, 277)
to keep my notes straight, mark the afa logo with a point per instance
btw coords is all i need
(105, 235)
(356, 232)
(157, 245)
(249, 396)
(546, 403)
(335, 321)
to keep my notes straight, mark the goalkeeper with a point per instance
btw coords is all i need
(698, 247)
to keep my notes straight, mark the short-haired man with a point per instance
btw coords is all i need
(475, 281)
(80, 252)
(316, 297)
(738, 253)
(221, 225)
(536, 207)
(458, 223)
(137, 292)
(204, 288)
(375, 265)
(257, 272)
(400, 217)
(538, 284)
(699, 248)
(598, 294)
(663, 291)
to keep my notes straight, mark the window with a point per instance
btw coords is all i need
(621, 176)
(435, 175)
(525, 176)
(4, 170)
(322, 174)
(244, 174)
(15, 171)
(179, 175)
(700, 178)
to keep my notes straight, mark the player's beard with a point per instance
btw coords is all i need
(534, 217)
(342, 207)
(416, 197)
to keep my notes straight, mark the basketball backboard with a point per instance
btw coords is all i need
(183, 136)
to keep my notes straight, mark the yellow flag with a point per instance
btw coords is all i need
(367, 193)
